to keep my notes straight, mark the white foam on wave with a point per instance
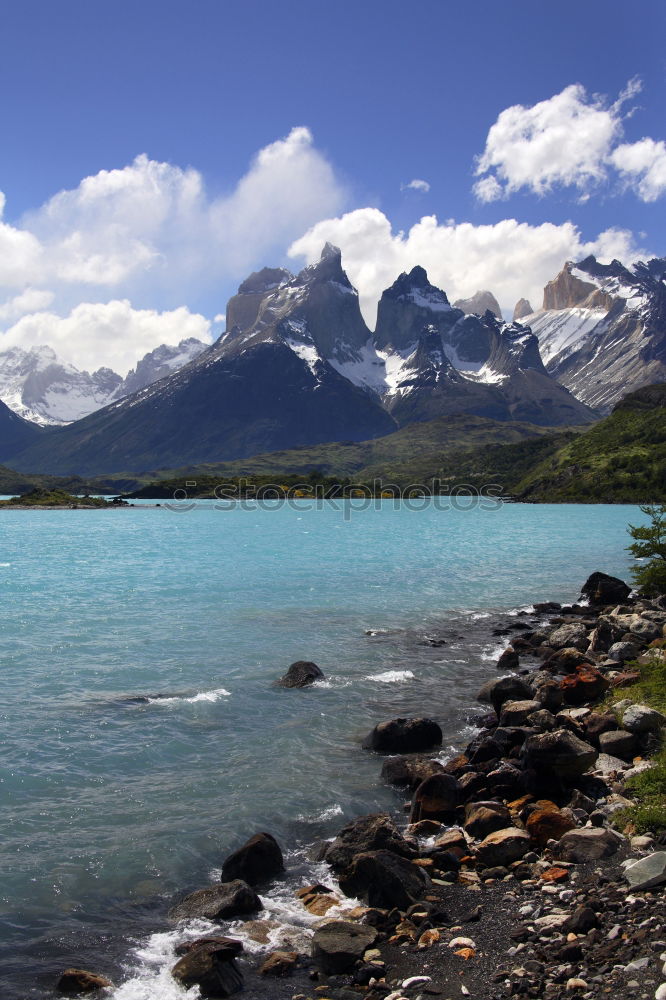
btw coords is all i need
(321, 817)
(392, 677)
(478, 615)
(528, 608)
(150, 964)
(493, 651)
(5, 565)
(210, 696)
(332, 682)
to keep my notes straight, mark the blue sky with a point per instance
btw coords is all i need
(263, 128)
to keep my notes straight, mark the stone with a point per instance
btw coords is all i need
(582, 920)
(569, 636)
(597, 723)
(453, 839)
(369, 833)
(482, 818)
(618, 743)
(547, 822)
(503, 847)
(565, 661)
(435, 798)
(586, 844)
(642, 719)
(508, 660)
(645, 630)
(603, 636)
(218, 902)
(599, 588)
(558, 754)
(542, 719)
(212, 969)
(232, 946)
(585, 684)
(647, 872)
(410, 771)
(279, 963)
(340, 944)
(258, 860)
(504, 689)
(404, 736)
(384, 880)
(81, 981)
(301, 674)
(549, 695)
(516, 713)
(623, 651)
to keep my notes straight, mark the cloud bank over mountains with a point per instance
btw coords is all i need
(108, 270)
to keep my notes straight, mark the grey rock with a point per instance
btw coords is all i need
(559, 754)
(503, 847)
(338, 945)
(647, 872)
(218, 902)
(592, 844)
(618, 743)
(258, 860)
(623, 651)
(210, 967)
(569, 636)
(384, 879)
(515, 713)
(301, 674)
(642, 719)
(600, 588)
(404, 736)
(368, 833)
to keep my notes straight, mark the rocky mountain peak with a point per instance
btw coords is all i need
(264, 280)
(479, 303)
(522, 308)
(514, 348)
(329, 250)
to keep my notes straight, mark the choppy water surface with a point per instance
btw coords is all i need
(142, 736)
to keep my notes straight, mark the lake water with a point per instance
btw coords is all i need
(142, 736)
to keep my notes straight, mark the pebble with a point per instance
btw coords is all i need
(661, 992)
(462, 942)
(576, 984)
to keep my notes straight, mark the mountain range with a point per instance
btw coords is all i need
(298, 366)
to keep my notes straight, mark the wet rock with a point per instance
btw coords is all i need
(231, 945)
(515, 713)
(404, 736)
(565, 661)
(503, 847)
(549, 695)
(258, 860)
(75, 981)
(642, 719)
(410, 771)
(338, 945)
(603, 636)
(647, 872)
(210, 968)
(584, 685)
(482, 818)
(301, 674)
(504, 689)
(375, 832)
(507, 781)
(558, 754)
(599, 588)
(618, 743)
(218, 902)
(509, 659)
(435, 798)
(279, 963)
(584, 845)
(384, 879)
(452, 839)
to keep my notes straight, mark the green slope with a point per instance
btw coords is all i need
(622, 459)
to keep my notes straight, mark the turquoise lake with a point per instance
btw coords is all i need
(143, 738)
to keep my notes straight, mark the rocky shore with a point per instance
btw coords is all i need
(510, 871)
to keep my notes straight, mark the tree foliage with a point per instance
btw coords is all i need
(650, 544)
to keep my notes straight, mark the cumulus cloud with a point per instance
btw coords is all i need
(643, 165)
(110, 334)
(512, 259)
(416, 185)
(149, 233)
(28, 301)
(569, 140)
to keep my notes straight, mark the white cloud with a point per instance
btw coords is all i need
(511, 258)
(416, 185)
(148, 232)
(643, 165)
(28, 301)
(563, 140)
(110, 334)
(569, 140)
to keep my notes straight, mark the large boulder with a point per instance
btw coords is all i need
(258, 860)
(642, 719)
(337, 946)
(516, 713)
(404, 736)
(212, 968)
(504, 689)
(547, 822)
(508, 660)
(503, 847)
(558, 754)
(301, 674)
(482, 818)
(375, 832)
(565, 660)
(385, 880)
(218, 902)
(435, 798)
(585, 684)
(590, 844)
(77, 981)
(568, 636)
(618, 743)
(410, 771)
(647, 872)
(599, 588)
(623, 651)
(645, 630)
